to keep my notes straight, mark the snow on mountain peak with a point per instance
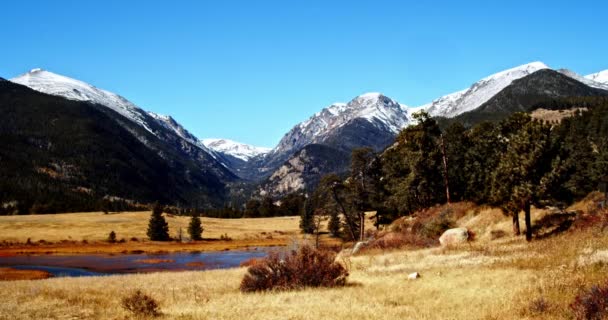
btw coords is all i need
(235, 149)
(469, 99)
(58, 85)
(601, 77)
(374, 107)
(370, 96)
(590, 81)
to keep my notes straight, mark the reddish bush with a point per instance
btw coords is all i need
(141, 304)
(592, 303)
(397, 240)
(306, 267)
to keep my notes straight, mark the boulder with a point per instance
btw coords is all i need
(454, 236)
(413, 276)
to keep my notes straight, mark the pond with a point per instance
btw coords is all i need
(106, 264)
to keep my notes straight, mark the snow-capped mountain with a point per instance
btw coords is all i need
(236, 149)
(588, 80)
(163, 127)
(323, 143)
(601, 77)
(377, 109)
(469, 99)
(58, 85)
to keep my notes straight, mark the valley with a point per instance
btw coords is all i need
(304, 160)
(501, 278)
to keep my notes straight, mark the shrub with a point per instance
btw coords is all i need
(397, 240)
(141, 304)
(112, 237)
(591, 303)
(436, 225)
(539, 306)
(306, 267)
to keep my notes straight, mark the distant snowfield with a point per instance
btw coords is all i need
(236, 149)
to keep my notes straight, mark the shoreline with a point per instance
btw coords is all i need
(133, 247)
(12, 274)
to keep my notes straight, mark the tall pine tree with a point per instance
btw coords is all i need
(195, 227)
(158, 229)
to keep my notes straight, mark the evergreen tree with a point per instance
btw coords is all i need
(195, 228)
(413, 167)
(367, 191)
(334, 224)
(252, 208)
(457, 143)
(307, 217)
(267, 208)
(519, 179)
(480, 161)
(158, 229)
(291, 204)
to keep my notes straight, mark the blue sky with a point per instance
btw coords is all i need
(250, 70)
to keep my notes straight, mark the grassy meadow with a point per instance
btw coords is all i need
(504, 278)
(95, 226)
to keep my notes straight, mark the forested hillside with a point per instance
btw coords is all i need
(512, 164)
(59, 155)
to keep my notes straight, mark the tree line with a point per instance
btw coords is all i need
(512, 164)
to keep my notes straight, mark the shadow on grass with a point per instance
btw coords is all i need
(553, 224)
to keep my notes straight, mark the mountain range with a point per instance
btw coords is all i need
(321, 144)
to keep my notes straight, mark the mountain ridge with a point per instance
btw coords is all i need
(368, 120)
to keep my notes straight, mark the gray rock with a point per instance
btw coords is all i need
(454, 237)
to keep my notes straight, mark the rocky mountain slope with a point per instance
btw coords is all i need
(64, 155)
(322, 143)
(161, 126)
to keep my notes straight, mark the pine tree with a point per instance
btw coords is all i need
(267, 208)
(413, 167)
(334, 224)
(307, 216)
(195, 228)
(367, 191)
(252, 208)
(158, 229)
(456, 143)
(519, 179)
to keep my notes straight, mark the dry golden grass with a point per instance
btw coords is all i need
(95, 226)
(493, 280)
(486, 279)
(67, 232)
(554, 115)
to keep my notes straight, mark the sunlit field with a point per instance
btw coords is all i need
(505, 278)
